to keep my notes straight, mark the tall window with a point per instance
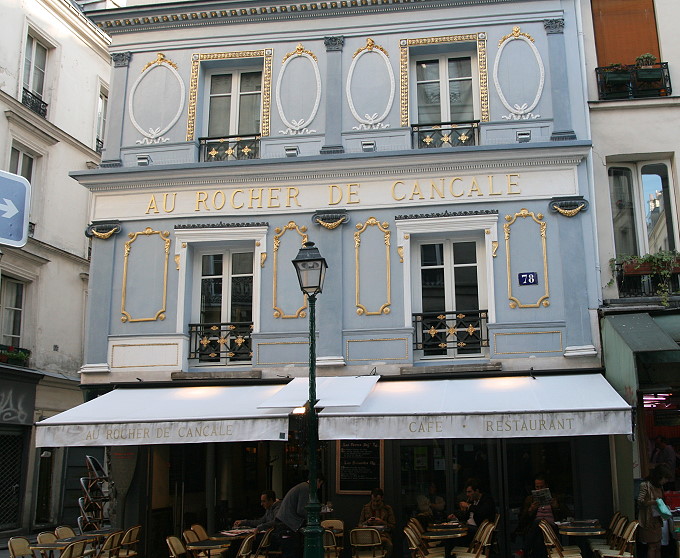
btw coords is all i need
(21, 162)
(449, 296)
(11, 307)
(235, 100)
(444, 89)
(35, 62)
(102, 105)
(642, 208)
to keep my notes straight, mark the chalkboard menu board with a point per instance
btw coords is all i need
(359, 467)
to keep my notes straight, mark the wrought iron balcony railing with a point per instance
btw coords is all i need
(221, 343)
(35, 103)
(229, 148)
(633, 82)
(99, 146)
(445, 134)
(641, 281)
(455, 334)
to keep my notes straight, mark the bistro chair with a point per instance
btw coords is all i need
(200, 531)
(330, 544)
(553, 548)
(474, 543)
(483, 546)
(176, 548)
(628, 545)
(615, 538)
(190, 537)
(129, 542)
(72, 550)
(111, 546)
(413, 544)
(64, 532)
(246, 548)
(19, 546)
(366, 543)
(46, 537)
(266, 542)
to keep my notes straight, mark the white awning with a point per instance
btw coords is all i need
(176, 415)
(505, 407)
(331, 391)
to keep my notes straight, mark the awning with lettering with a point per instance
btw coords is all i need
(501, 407)
(174, 415)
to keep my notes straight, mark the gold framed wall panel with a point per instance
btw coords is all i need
(482, 67)
(279, 233)
(374, 357)
(160, 314)
(361, 229)
(542, 225)
(280, 343)
(527, 352)
(117, 348)
(196, 59)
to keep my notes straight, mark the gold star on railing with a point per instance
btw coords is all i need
(463, 138)
(212, 355)
(213, 152)
(246, 150)
(231, 355)
(461, 343)
(230, 151)
(471, 329)
(442, 345)
(231, 327)
(460, 316)
(446, 138)
(451, 331)
(432, 331)
(222, 340)
(441, 317)
(239, 340)
(427, 140)
(205, 341)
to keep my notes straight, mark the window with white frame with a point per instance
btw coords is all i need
(12, 294)
(35, 64)
(102, 106)
(641, 196)
(448, 292)
(21, 162)
(234, 102)
(444, 89)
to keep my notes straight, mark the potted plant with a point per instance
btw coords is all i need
(660, 266)
(14, 355)
(646, 60)
(616, 74)
(644, 69)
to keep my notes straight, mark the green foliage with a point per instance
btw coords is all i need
(646, 59)
(661, 266)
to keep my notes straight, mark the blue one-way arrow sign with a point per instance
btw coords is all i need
(15, 196)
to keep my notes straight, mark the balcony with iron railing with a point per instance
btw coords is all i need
(33, 102)
(221, 343)
(445, 134)
(620, 81)
(642, 280)
(229, 148)
(457, 334)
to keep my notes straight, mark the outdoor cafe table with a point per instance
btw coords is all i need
(60, 544)
(208, 544)
(445, 526)
(450, 533)
(588, 528)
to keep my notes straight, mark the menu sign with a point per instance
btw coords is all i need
(359, 466)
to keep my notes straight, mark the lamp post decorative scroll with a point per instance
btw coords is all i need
(311, 271)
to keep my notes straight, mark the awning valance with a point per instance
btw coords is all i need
(505, 407)
(175, 415)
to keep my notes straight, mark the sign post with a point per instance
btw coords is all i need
(15, 196)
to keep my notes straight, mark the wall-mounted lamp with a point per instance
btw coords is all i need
(291, 150)
(523, 136)
(143, 160)
(367, 145)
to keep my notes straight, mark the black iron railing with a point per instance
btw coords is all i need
(99, 146)
(229, 148)
(221, 343)
(445, 134)
(641, 281)
(35, 103)
(458, 333)
(633, 82)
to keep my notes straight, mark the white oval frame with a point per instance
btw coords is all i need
(519, 111)
(153, 134)
(299, 124)
(370, 120)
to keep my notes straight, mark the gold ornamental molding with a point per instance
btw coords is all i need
(538, 219)
(361, 229)
(370, 45)
(103, 231)
(165, 238)
(330, 220)
(516, 33)
(196, 60)
(299, 51)
(478, 38)
(160, 59)
(280, 231)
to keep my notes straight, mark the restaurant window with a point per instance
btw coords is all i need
(444, 89)
(234, 101)
(12, 300)
(642, 208)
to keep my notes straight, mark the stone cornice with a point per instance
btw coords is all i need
(182, 14)
(410, 163)
(80, 25)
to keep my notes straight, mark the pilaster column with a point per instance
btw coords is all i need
(113, 135)
(562, 127)
(333, 141)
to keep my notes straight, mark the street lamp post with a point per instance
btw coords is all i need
(311, 270)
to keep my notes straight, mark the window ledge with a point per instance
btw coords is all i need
(631, 104)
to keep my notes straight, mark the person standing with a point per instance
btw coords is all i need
(377, 513)
(291, 517)
(651, 522)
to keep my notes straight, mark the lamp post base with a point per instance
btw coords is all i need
(313, 532)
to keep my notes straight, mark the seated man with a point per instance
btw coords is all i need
(378, 514)
(477, 507)
(271, 505)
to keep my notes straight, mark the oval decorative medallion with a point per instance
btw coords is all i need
(154, 133)
(299, 126)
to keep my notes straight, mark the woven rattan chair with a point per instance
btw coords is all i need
(176, 548)
(19, 546)
(366, 543)
(129, 542)
(64, 532)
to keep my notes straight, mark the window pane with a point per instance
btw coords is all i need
(465, 279)
(211, 265)
(26, 166)
(460, 68)
(460, 99)
(242, 264)
(241, 299)
(211, 300)
(464, 253)
(12, 305)
(432, 283)
(28, 62)
(220, 113)
(429, 103)
(220, 84)
(623, 214)
(432, 254)
(251, 81)
(40, 57)
(249, 114)
(14, 161)
(427, 70)
(658, 215)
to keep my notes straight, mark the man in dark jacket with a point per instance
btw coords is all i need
(477, 507)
